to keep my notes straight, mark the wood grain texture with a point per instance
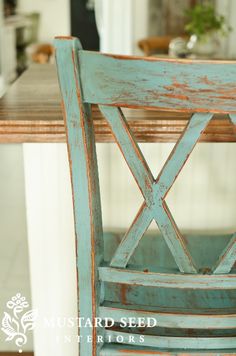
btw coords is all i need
(31, 112)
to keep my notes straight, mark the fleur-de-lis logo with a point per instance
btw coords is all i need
(17, 326)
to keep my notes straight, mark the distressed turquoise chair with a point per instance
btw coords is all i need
(170, 280)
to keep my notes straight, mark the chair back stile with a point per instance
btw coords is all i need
(85, 186)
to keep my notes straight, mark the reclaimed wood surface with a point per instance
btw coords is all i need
(31, 112)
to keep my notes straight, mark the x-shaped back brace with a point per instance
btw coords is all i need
(155, 191)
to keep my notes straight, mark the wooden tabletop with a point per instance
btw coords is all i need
(31, 112)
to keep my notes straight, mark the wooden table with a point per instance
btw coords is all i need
(31, 112)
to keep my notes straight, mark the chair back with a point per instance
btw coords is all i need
(201, 88)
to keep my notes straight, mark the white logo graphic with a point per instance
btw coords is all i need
(16, 326)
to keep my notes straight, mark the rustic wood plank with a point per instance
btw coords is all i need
(38, 117)
(167, 280)
(169, 319)
(164, 84)
(165, 342)
(85, 185)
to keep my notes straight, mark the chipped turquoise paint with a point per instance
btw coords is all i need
(154, 191)
(163, 342)
(87, 212)
(131, 240)
(130, 149)
(174, 85)
(144, 178)
(126, 350)
(170, 318)
(180, 153)
(167, 280)
(86, 78)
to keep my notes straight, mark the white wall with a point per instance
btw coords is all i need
(55, 17)
(228, 9)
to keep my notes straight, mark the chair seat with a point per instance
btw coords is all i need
(164, 286)
(191, 312)
(153, 255)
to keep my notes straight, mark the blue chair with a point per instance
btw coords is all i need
(181, 299)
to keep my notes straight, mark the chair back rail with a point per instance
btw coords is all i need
(165, 84)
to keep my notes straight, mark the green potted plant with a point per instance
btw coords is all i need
(205, 27)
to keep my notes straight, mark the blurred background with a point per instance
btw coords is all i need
(28, 27)
(180, 28)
